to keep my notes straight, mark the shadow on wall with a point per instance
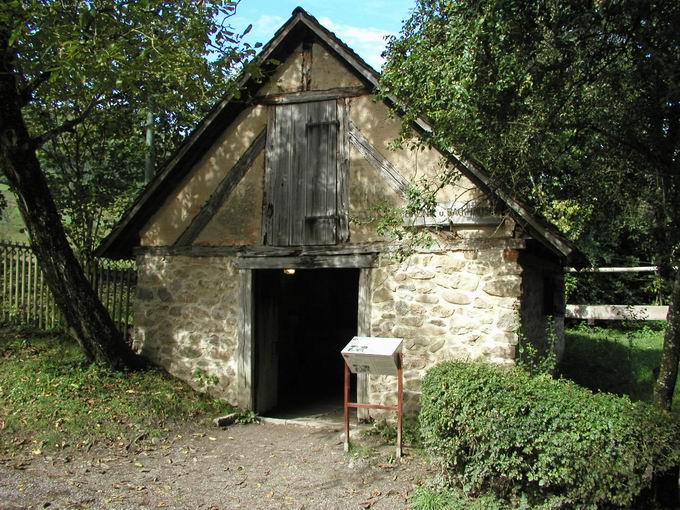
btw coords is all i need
(175, 215)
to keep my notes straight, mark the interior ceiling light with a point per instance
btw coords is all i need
(289, 271)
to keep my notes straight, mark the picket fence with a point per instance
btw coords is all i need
(27, 301)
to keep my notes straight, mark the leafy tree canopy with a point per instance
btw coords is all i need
(574, 106)
(89, 72)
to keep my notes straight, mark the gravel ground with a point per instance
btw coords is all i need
(244, 466)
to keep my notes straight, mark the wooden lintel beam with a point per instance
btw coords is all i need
(310, 96)
(261, 251)
(373, 249)
(223, 190)
(394, 178)
(306, 262)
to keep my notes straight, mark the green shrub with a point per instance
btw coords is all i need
(537, 439)
(429, 498)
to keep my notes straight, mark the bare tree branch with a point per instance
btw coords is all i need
(68, 125)
(26, 92)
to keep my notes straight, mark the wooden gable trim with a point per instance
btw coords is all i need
(310, 96)
(378, 161)
(224, 189)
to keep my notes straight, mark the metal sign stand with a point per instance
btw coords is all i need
(399, 408)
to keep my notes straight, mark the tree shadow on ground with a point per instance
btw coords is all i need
(615, 362)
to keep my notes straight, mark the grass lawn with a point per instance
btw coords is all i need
(50, 397)
(620, 358)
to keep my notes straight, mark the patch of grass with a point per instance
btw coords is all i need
(431, 498)
(621, 358)
(51, 397)
(362, 451)
(387, 431)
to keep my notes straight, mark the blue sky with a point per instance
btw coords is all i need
(361, 24)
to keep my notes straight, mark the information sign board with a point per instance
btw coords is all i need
(373, 355)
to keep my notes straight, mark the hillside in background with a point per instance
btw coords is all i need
(11, 225)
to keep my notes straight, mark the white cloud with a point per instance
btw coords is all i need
(266, 25)
(367, 42)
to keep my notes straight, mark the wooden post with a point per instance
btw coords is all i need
(400, 403)
(399, 408)
(128, 291)
(346, 406)
(4, 283)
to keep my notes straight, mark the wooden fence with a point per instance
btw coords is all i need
(27, 301)
(616, 312)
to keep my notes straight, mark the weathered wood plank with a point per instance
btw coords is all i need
(320, 215)
(342, 176)
(280, 160)
(273, 251)
(617, 312)
(269, 177)
(311, 96)
(307, 262)
(244, 349)
(392, 175)
(639, 269)
(363, 329)
(223, 190)
(297, 199)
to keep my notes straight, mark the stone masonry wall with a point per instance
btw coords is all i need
(186, 317)
(457, 305)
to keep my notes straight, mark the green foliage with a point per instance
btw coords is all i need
(246, 417)
(545, 441)
(51, 397)
(205, 380)
(540, 359)
(572, 106)
(88, 73)
(428, 498)
(387, 431)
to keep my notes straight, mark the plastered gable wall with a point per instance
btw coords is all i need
(326, 73)
(176, 213)
(238, 221)
(380, 127)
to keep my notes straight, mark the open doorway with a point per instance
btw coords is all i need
(302, 321)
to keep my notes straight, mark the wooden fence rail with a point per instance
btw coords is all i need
(27, 301)
(617, 312)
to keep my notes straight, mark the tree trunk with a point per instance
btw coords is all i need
(670, 355)
(85, 315)
(666, 484)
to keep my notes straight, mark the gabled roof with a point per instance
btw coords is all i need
(300, 27)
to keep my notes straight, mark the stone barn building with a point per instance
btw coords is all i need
(258, 254)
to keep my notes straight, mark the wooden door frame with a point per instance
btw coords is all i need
(245, 373)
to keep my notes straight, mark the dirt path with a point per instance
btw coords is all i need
(251, 466)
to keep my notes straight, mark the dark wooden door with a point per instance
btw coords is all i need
(302, 179)
(267, 294)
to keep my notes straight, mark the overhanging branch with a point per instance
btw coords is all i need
(67, 126)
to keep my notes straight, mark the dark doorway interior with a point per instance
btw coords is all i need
(302, 321)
